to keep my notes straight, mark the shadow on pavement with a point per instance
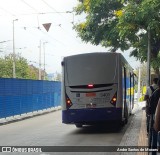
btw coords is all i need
(110, 127)
(92, 129)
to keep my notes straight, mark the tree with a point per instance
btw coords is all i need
(138, 18)
(6, 66)
(21, 67)
(122, 24)
(32, 72)
(100, 24)
(23, 70)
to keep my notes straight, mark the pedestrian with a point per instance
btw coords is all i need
(157, 124)
(147, 96)
(150, 89)
(152, 138)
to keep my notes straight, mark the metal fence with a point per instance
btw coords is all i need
(19, 96)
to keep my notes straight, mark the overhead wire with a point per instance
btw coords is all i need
(29, 6)
(51, 7)
(37, 13)
(60, 25)
(52, 37)
(58, 12)
(38, 20)
(60, 15)
(7, 11)
(26, 28)
(15, 15)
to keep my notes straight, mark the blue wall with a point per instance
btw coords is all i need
(19, 96)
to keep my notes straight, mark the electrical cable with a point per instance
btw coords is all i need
(7, 11)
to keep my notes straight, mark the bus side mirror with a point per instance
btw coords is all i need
(62, 63)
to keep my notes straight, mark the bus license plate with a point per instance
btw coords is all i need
(90, 94)
(90, 105)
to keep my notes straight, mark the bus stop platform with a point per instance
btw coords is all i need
(136, 134)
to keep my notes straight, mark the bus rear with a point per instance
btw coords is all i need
(90, 89)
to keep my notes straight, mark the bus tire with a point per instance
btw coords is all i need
(122, 123)
(126, 115)
(79, 125)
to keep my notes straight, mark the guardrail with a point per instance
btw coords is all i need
(20, 96)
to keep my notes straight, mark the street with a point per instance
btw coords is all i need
(47, 130)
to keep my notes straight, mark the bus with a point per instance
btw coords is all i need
(96, 88)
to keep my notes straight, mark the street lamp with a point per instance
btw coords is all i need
(14, 64)
(21, 48)
(44, 58)
(4, 41)
(39, 75)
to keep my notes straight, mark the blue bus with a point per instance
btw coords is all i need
(96, 88)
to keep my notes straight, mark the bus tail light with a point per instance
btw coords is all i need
(68, 102)
(90, 85)
(114, 99)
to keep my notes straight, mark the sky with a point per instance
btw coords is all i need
(31, 37)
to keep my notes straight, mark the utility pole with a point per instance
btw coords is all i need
(148, 56)
(44, 59)
(39, 61)
(14, 59)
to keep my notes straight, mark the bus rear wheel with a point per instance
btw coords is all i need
(79, 125)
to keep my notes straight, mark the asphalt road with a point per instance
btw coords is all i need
(48, 130)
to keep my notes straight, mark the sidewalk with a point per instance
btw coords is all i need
(136, 132)
(143, 140)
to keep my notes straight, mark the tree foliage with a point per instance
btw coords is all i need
(122, 24)
(23, 70)
(100, 24)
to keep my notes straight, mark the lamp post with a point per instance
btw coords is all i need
(14, 63)
(39, 61)
(44, 59)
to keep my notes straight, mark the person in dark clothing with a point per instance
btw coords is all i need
(157, 124)
(147, 96)
(154, 99)
(151, 89)
(152, 108)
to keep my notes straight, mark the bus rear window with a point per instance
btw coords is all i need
(88, 69)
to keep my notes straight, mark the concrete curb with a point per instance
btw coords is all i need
(21, 117)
